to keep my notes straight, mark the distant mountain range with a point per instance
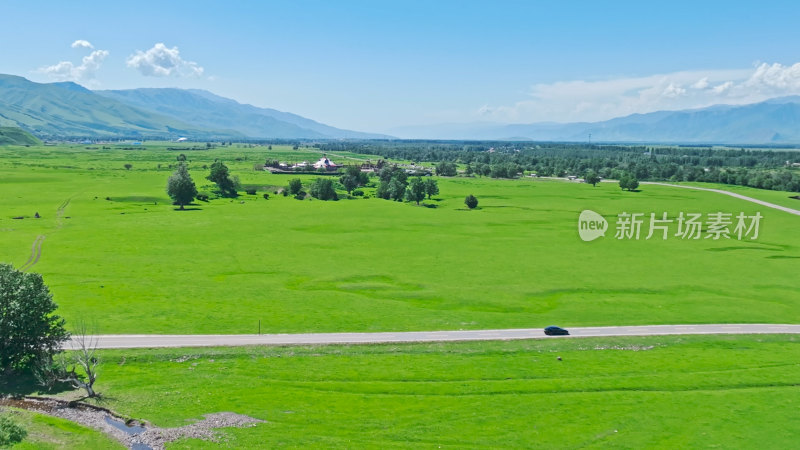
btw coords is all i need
(70, 110)
(775, 121)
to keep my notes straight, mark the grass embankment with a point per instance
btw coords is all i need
(135, 265)
(666, 392)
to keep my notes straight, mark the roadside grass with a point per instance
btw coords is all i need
(632, 392)
(121, 256)
(47, 432)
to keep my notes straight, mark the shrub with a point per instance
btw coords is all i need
(250, 191)
(10, 432)
(358, 193)
(300, 195)
(471, 201)
(266, 196)
(203, 197)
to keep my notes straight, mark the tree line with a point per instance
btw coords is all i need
(776, 169)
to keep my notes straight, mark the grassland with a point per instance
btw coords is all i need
(655, 392)
(133, 264)
(47, 432)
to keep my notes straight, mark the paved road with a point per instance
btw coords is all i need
(732, 194)
(154, 341)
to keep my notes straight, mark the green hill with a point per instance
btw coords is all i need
(17, 136)
(68, 109)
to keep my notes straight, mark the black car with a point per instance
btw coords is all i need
(555, 331)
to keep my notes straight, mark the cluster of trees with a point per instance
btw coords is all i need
(321, 188)
(772, 169)
(182, 189)
(395, 185)
(353, 178)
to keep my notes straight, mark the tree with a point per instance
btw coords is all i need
(353, 177)
(628, 181)
(393, 183)
(295, 186)
(431, 187)
(469, 170)
(28, 328)
(128, 166)
(592, 178)
(415, 192)
(220, 175)
(471, 201)
(446, 169)
(397, 189)
(84, 357)
(322, 188)
(180, 186)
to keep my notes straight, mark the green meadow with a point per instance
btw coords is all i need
(47, 432)
(118, 254)
(653, 392)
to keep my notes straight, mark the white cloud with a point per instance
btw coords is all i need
(80, 43)
(161, 61)
(580, 100)
(702, 83)
(722, 88)
(673, 90)
(83, 72)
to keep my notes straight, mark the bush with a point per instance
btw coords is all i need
(203, 197)
(471, 201)
(10, 432)
(266, 196)
(250, 191)
(300, 195)
(358, 193)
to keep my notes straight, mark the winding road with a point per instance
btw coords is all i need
(220, 340)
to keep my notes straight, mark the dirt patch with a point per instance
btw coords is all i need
(131, 433)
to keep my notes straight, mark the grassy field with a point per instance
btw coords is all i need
(46, 432)
(117, 253)
(655, 392)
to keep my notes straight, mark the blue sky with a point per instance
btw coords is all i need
(374, 65)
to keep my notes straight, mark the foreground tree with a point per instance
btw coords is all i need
(180, 186)
(471, 201)
(415, 192)
(28, 328)
(83, 357)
